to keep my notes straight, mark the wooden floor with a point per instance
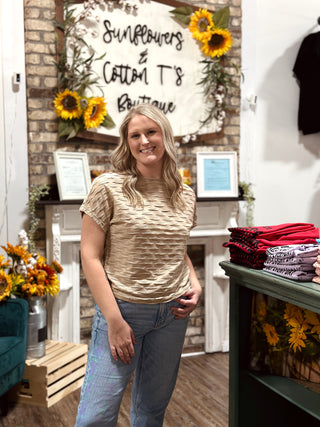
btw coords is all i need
(200, 399)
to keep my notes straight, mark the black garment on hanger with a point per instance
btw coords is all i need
(307, 71)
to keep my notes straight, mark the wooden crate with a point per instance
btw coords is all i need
(50, 378)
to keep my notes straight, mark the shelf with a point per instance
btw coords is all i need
(208, 232)
(70, 238)
(303, 294)
(298, 395)
(266, 400)
(220, 199)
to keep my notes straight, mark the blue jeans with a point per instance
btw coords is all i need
(155, 365)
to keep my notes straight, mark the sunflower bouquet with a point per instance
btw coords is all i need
(77, 111)
(24, 275)
(215, 40)
(284, 339)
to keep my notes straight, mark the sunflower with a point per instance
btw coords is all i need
(67, 105)
(36, 283)
(217, 42)
(3, 262)
(51, 279)
(314, 320)
(5, 285)
(271, 334)
(94, 115)
(53, 284)
(31, 289)
(262, 312)
(17, 280)
(200, 24)
(297, 337)
(17, 252)
(293, 313)
(41, 280)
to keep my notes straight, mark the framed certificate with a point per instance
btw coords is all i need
(73, 175)
(217, 175)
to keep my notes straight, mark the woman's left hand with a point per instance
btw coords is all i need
(189, 302)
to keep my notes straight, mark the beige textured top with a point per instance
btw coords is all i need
(145, 246)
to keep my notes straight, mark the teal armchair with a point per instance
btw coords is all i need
(13, 346)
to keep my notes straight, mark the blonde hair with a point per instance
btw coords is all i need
(123, 161)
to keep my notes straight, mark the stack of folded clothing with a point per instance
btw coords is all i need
(248, 245)
(316, 265)
(294, 262)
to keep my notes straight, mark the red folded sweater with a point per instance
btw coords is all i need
(259, 239)
(248, 245)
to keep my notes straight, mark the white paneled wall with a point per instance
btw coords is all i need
(282, 164)
(13, 123)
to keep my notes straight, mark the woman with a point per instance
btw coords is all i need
(135, 228)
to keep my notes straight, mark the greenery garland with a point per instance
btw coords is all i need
(210, 30)
(77, 111)
(247, 194)
(36, 193)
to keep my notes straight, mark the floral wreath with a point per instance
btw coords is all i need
(210, 30)
(76, 110)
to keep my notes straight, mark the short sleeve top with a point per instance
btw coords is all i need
(145, 246)
(307, 71)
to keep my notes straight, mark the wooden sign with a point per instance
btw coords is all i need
(149, 57)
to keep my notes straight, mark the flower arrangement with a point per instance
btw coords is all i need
(210, 30)
(284, 337)
(77, 111)
(24, 275)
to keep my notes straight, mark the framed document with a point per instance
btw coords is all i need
(73, 175)
(217, 175)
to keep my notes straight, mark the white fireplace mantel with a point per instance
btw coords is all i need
(214, 219)
(63, 226)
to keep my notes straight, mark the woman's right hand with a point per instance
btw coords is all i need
(120, 335)
(121, 340)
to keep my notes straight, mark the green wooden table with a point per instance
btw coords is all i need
(265, 400)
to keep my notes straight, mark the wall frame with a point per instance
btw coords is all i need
(134, 71)
(217, 175)
(73, 175)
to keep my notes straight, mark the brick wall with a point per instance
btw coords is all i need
(41, 51)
